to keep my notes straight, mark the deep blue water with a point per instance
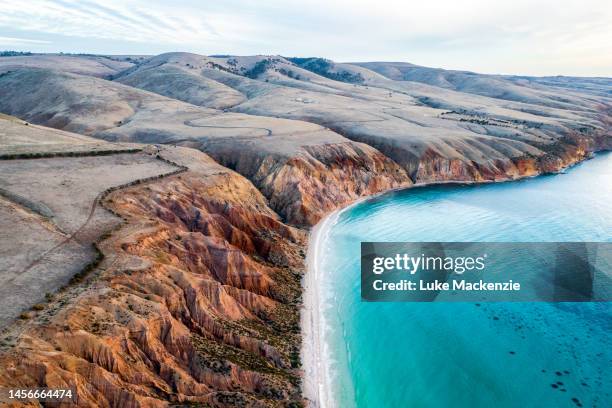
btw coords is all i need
(465, 354)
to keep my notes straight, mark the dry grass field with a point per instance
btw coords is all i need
(49, 207)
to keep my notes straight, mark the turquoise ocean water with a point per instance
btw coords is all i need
(466, 354)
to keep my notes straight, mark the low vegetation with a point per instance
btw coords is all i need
(40, 155)
(290, 73)
(259, 68)
(325, 68)
(9, 53)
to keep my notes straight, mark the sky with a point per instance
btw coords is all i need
(526, 37)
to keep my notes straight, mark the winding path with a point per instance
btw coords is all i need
(70, 237)
(191, 124)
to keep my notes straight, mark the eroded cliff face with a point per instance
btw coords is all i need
(197, 299)
(432, 168)
(195, 302)
(320, 178)
(550, 158)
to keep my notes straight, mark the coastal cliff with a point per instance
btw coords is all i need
(319, 179)
(195, 302)
(195, 298)
(431, 167)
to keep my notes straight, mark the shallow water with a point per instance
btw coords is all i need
(466, 354)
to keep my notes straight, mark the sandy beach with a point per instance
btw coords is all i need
(315, 381)
(315, 377)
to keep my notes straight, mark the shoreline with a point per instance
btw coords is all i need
(315, 391)
(315, 384)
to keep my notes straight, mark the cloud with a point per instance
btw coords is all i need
(13, 41)
(522, 36)
(125, 21)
